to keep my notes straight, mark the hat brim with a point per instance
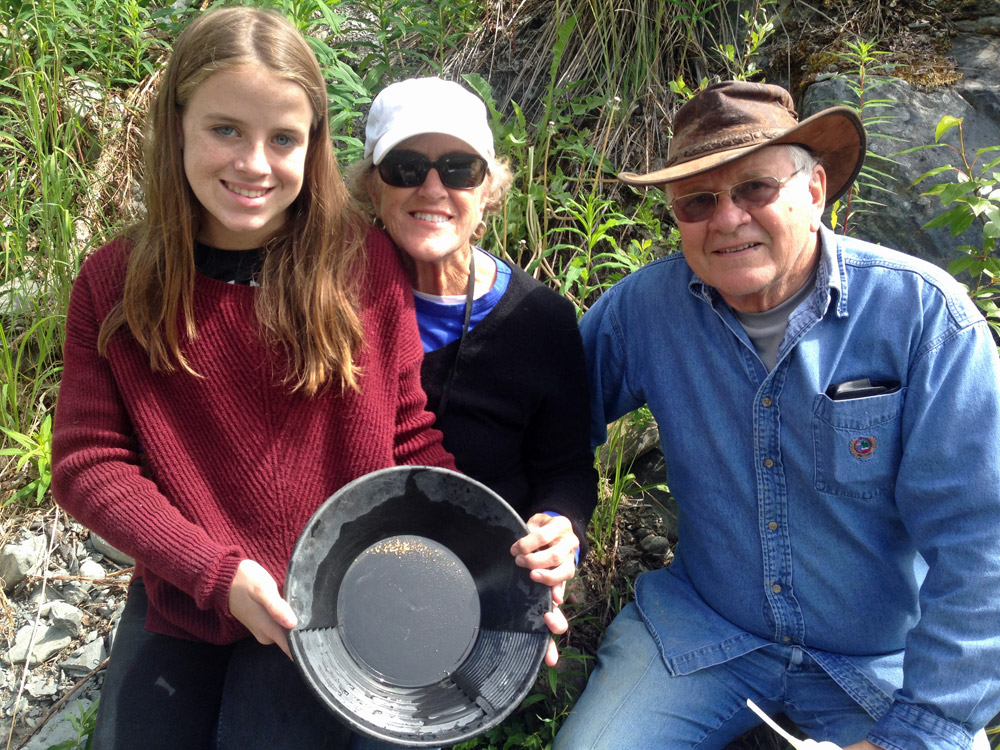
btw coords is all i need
(415, 625)
(836, 136)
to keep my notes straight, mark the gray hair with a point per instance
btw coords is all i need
(802, 158)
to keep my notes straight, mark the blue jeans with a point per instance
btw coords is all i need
(632, 702)
(163, 693)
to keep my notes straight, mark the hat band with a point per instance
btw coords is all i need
(716, 145)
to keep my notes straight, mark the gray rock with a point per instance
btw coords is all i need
(42, 595)
(109, 605)
(21, 559)
(60, 728)
(635, 439)
(85, 659)
(651, 469)
(903, 210)
(657, 545)
(911, 122)
(977, 58)
(92, 569)
(75, 592)
(49, 640)
(42, 686)
(116, 618)
(985, 25)
(21, 706)
(64, 615)
(102, 546)
(19, 297)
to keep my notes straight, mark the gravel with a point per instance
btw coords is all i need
(61, 598)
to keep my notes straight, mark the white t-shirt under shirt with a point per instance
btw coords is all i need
(441, 318)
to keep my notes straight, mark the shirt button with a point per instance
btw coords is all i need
(766, 401)
(773, 526)
(768, 463)
(776, 588)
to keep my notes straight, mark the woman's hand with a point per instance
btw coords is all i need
(254, 600)
(549, 552)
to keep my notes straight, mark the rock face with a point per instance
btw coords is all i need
(911, 122)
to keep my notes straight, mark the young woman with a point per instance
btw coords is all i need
(503, 367)
(246, 351)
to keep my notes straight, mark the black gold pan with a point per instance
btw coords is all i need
(415, 626)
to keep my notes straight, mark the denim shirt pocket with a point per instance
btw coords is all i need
(857, 445)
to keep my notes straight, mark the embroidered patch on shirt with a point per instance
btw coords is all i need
(863, 447)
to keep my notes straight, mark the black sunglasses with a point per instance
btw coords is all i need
(409, 169)
(755, 193)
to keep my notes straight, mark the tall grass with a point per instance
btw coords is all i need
(60, 66)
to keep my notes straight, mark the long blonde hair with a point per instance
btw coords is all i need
(307, 303)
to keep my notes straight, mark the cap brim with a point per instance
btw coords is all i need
(836, 136)
(397, 135)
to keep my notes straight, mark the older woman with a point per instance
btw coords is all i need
(503, 365)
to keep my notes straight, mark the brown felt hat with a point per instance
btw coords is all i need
(732, 119)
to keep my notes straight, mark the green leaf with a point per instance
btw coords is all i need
(945, 124)
(992, 266)
(956, 190)
(533, 699)
(959, 265)
(961, 223)
(947, 218)
(931, 173)
(17, 437)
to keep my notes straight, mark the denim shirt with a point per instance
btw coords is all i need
(865, 530)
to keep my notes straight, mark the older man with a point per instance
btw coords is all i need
(829, 412)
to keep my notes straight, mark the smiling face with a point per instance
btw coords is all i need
(245, 135)
(755, 258)
(431, 223)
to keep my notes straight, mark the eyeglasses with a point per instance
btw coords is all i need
(405, 169)
(755, 193)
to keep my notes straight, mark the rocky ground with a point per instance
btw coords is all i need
(61, 595)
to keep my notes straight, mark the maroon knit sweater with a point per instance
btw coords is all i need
(192, 475)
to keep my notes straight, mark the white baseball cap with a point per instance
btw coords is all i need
(426, 105)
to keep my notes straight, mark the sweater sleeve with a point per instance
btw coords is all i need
(98, 472)
(415, 440)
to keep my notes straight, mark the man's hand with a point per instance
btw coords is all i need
(254, 600)
(549, 552)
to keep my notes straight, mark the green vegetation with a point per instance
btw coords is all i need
(970, 197)
(868, 70)
(83, 724)
(575, 88)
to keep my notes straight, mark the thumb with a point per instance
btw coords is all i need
(281, 611)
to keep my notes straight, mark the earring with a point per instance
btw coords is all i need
(480, 231)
